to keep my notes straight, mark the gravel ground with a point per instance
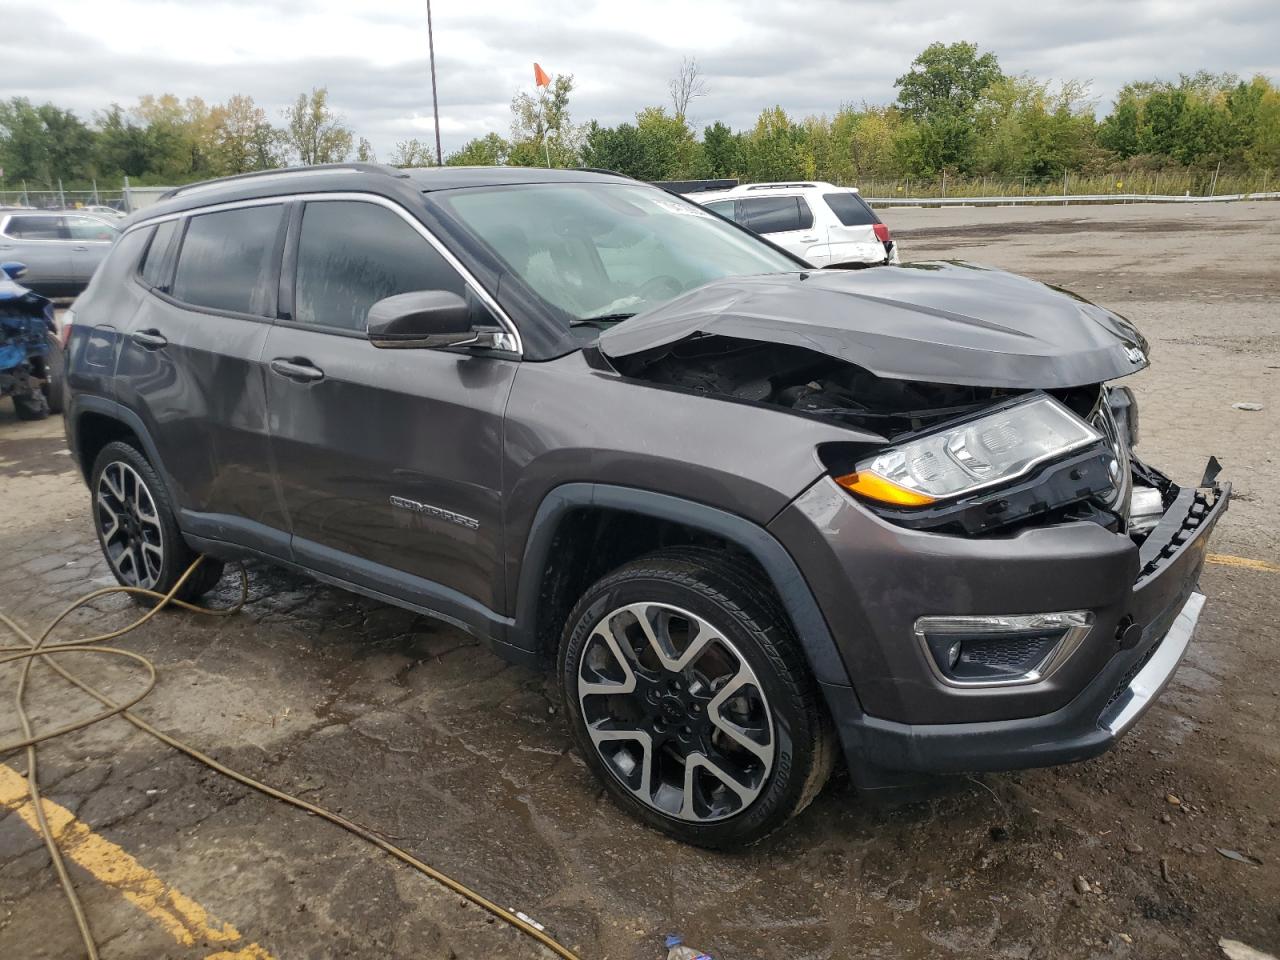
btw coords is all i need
(413, 729)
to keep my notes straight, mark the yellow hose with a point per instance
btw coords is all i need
(37, 649)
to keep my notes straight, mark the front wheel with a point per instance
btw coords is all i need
(690, 699)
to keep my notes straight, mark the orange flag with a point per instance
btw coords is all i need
(540, 76)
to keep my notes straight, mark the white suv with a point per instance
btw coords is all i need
(818, 222)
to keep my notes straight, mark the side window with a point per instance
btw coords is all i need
(850, 209)
(352, 254)
(227, 260)
(87, 228)
(155, 267)
(770, 214)
(806, 215)
(722, 207)
(34, 228)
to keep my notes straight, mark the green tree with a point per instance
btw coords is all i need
(364, 152)
(488, 151)
(244, 139)
(314, 132)
(541, 130)
(121, 147)
(946, 79)
(413, 153)
(722, 150)
(24, 141)
(775, 149)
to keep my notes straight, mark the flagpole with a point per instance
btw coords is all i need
(435, 103)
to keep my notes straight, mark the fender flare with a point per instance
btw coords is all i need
(806, 618)
(88, 403)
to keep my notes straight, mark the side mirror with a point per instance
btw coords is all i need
(427, 319)
(14, 269)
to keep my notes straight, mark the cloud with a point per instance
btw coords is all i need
(809, 57)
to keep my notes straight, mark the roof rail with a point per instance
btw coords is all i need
(778, 186)
(606, 172)
(320, 168)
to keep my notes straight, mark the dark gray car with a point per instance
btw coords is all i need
(758, 516)
(60, 250)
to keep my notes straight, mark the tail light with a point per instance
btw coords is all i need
(882, 232)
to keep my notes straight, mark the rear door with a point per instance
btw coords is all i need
(853, 237)
(389, 460)
(39, 242)
(191, 368)
(90, 240)
(787, 221)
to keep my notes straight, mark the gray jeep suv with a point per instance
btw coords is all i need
(758, 515)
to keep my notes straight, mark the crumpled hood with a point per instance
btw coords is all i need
(942, 322)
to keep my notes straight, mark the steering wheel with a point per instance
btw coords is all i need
(662, 287)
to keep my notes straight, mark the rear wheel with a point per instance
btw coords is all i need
(31, 407)
(137, 530)
(55, 376)
(689, 697)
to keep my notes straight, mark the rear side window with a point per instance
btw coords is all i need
(352, 254)
(227, 260)
(722, 207)
(35, 228)
(774, 214)
(850, 209)
(87, 228)
(155, 266)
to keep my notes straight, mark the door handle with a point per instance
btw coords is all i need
(149, 339)
(81, 249)
(297, 368)
(808, 239)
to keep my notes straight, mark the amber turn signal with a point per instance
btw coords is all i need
(877, 488)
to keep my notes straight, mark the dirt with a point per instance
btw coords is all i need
(413, 729)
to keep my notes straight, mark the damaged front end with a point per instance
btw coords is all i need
(26, 327)
(988, 392)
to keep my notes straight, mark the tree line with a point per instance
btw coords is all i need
(956, 113)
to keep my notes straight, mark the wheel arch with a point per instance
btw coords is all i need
(93, 422)
(576, 514)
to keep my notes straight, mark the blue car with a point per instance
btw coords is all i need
(30, 354)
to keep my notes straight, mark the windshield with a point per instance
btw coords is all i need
(602, 252)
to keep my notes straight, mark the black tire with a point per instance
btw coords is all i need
(31, 407)
(125, 467)
(731, 596)
(55, 377)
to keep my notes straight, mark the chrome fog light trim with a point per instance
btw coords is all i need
(1049, 640)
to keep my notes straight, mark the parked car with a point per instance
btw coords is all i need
(105, 212)
(820, 223)
(61, 250)
(757, 515)
(30, 354)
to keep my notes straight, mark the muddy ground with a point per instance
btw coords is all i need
(415, 730)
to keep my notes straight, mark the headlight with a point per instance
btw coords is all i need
(968, 457)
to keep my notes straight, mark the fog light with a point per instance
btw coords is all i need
(997, 651)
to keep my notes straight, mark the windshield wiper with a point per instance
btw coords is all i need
(601, 320)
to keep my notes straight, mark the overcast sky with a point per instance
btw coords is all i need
(809, 57)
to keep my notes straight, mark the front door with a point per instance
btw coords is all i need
(389, 461)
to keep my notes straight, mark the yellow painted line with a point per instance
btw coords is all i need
(181, 917)
(1229, 561)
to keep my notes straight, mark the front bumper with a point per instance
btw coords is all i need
(897, 717)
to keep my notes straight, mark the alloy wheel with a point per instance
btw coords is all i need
(129, 526)
(675, 712)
